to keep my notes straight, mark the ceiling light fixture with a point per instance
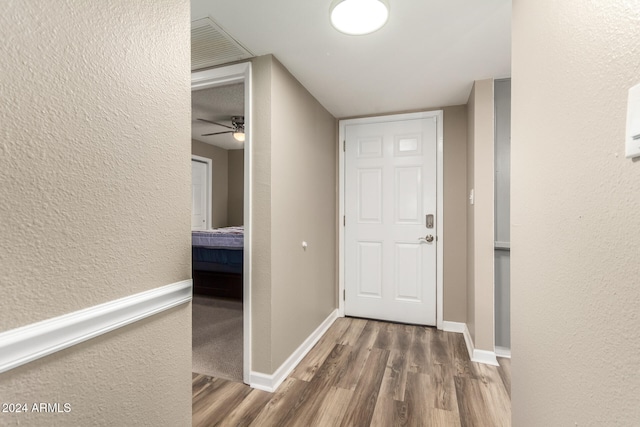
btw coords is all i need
(358, 17)
(239, 135)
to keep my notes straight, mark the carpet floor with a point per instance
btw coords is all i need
(217, 337)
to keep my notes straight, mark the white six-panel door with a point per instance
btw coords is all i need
(198, 195)
(390, 188)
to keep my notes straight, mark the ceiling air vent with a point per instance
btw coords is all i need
(211, 45)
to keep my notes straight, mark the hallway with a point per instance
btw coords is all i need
(365, 372)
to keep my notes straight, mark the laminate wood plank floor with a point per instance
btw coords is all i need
(368, 373)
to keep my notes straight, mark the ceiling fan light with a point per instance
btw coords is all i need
(239, 136)
(358, 17)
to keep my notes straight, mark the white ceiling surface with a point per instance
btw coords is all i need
(217, 104)
(427, 55)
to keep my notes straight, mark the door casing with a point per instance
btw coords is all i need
(439, 115)
(238, 73)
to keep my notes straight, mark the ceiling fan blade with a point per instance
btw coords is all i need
(215, 123)
(217, 133)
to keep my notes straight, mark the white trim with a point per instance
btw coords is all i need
(221, 76)
(479, 356)
(209, 163)
(239, 73)
(439, 115)
(440, 221)
(270, 382)
(484, 356)
(457, 327)
(28, 343)
(503, 352)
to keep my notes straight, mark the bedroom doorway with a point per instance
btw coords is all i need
(221, 136)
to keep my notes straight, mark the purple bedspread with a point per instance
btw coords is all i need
(219, 238)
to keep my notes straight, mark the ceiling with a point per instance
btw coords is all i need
(427, 55)
(217, 104)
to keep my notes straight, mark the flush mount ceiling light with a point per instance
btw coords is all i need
(358, 17)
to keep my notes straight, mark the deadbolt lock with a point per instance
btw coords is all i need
(428, 221)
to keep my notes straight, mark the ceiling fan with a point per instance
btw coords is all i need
(237, 127)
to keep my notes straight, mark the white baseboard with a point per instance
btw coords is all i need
(457, 327)
(28, 343)
(484, 356)
(503, 352)
(480, 356)
(270, 382)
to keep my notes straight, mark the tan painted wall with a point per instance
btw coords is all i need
(235, 204)
(575, 233)
(94, 201)
(303, 208)
(261, 215)
(480, 224)
(471, 290)
(455, 208)
(220, 176)
(293, 200)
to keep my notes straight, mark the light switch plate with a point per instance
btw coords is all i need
(632, 138)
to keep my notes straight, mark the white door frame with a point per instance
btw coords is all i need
(238, 73)
(208, 186)
(439, 200)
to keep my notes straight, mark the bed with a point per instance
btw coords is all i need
(217, 259)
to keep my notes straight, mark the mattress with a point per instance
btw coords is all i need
(219, 238)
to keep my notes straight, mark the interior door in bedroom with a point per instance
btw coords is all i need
(390, 224)
(198, 195)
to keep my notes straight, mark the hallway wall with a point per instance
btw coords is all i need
(575, 224)
(480, 221)
(294, 182)
(95, 202)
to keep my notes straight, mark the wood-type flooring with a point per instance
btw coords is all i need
(368, 373)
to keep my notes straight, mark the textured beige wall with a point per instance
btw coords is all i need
(575, 233)
(138, 375)
(95, 200)
(235, 203)
(303, 208)
(219, 186)
(455, 218)
(480, 224)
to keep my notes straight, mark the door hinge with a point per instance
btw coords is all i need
(344, 220)
(344, 145)
(344, 294)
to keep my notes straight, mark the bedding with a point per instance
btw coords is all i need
(217, 257)
(219, 238)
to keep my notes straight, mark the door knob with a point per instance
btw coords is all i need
(428, 238)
